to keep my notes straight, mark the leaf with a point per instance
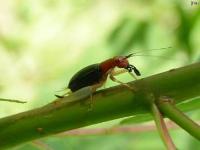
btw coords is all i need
(137, 119)
(190, 105)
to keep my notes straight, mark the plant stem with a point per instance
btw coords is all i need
(162, 129)
(173, 113)
(72, 112)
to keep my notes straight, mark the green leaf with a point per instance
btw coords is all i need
(190, 105)
(140, 118)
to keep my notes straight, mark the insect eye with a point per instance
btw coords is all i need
(117, 60)
(120, 59)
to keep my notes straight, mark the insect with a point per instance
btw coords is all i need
(96, 75)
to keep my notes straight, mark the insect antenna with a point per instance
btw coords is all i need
(156, 56)
(138, 52)
(155, 49)
(128, 56)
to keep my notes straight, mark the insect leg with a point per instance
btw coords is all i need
(124, 84)
(93, 89)
(121, 71)
(118, 72)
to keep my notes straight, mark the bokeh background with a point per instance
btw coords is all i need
(43, 43)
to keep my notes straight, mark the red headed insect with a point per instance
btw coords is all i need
(96, 75)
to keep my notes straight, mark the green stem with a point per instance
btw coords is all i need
(72, 112)
(173, 113)
(162, 129)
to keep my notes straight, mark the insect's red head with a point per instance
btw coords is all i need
(121, 61)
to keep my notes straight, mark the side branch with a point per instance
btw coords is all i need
(173, 113)
(162, 129)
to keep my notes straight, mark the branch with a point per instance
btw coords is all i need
(72, 112)
(162, 129)
(170, 110)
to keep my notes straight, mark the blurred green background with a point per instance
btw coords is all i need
(43, 43)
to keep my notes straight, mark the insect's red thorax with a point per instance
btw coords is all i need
(118, 61)
(107, 65)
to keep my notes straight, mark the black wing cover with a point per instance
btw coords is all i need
(87, 76)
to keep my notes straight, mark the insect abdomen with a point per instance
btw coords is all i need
(87, 76)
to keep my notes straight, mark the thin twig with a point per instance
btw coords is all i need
(12, 100)
(115, 130)
(162, 129)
